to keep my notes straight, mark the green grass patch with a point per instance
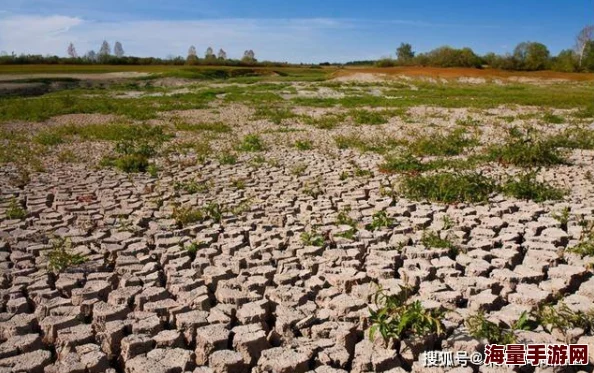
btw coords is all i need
(303, 144)
(438, 144)
(483, 96)
(364, 117)
(274, 114)
(326, 121)
(527, 187)
(552, 118)
(217, 127)
(448, 187)
(527, 150)
(48, 138)
(251, 143)
(99, 102)
(227, 158)
(574, 138)
(376, 145)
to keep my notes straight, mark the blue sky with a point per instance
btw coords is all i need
(295, 31)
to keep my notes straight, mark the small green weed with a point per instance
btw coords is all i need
(562, 217)
(379, 220)
(251, 143)
(303, 144)
(227, 158)
(585, 247)
(313, 238)
(432, 240)
(61, 257)
(15, 210)
(184, 216)
(479, 327)
(192, 186)
(395, 318)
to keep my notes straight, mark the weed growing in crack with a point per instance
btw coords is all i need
(15, 210)
(395, 317)
(61, 257)
(379, 220)
(432, 240)
(313, 238)
(481, 328)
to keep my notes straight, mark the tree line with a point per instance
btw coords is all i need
(105, 56)
(526, 56)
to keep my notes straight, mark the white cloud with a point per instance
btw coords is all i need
(35, 34)
(274, 39)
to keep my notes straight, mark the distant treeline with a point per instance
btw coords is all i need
(30, 59)
(526, 56)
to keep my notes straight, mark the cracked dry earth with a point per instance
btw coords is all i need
(254, 297)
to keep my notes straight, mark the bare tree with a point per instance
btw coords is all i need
(209, 53)
(222, 54)
(118, 50)
(105, 49)
(582, 40)
(72, 51)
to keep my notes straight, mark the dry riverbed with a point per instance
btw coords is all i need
(252, 233)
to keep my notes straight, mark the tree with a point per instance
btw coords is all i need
(404, 53)
(532, 56)
(209, 54)
(192, 51)
(566, 61)
(582, 39)
(91, 56)
(72, 51)
(192, 57)
(222, 55)
(105, 49)
(118, 50)
(588, 59)
(249, 56)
